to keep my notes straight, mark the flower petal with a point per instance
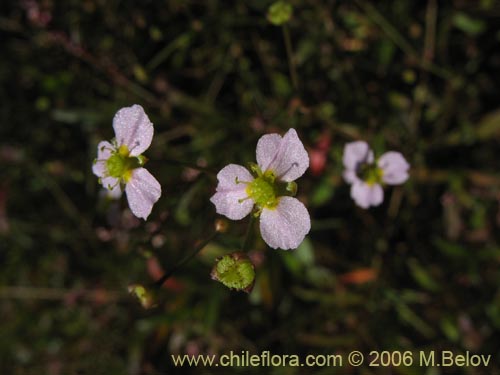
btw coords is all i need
(143, 190)
(394, 167)
(350, 176)
(356, 153)
(228, 199)
(286, 156)
(133, 129)
(233, 204)
(229, 175)
(114, 193)
(267, 147)
(367, 195)
(110, 183)
(285, 226)
(104, 151)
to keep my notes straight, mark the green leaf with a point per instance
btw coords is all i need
(450, 329)
(450, 249)
(322, 193)
(489, 126)
(410, 317)
(468, 25)
(422, 276)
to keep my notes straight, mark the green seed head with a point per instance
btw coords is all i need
(235, 271)
(279, 13)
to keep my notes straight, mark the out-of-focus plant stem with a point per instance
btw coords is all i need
(186, 259)
(290, 58)
(40, 293)
(206, 170)
(396, 37)
(246, 241)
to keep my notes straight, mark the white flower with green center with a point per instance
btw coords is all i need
(367, 175)
(119, 164)
(284, 220)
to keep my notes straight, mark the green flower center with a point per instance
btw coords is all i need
(265, 190)
(120, 164)
(371, 174)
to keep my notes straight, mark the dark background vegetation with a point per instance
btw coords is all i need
(419, 273)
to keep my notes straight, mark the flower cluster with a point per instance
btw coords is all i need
(119, 163)
(267, 188)
(366, 175)
(284, 220)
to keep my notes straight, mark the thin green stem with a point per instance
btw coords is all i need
(430, 31)
(387, 27)
(186, 259)
(399, 40)
(65, 203)
(37, 293)
(246, 241)
(290, 58)
(190, 165)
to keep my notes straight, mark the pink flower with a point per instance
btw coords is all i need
(366, 175)
(284, 220)
(120, 163)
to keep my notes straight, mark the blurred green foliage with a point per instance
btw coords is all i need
(420, 272)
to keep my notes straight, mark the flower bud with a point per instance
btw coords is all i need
(279, 13)
(221, 225)
(144, 296)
